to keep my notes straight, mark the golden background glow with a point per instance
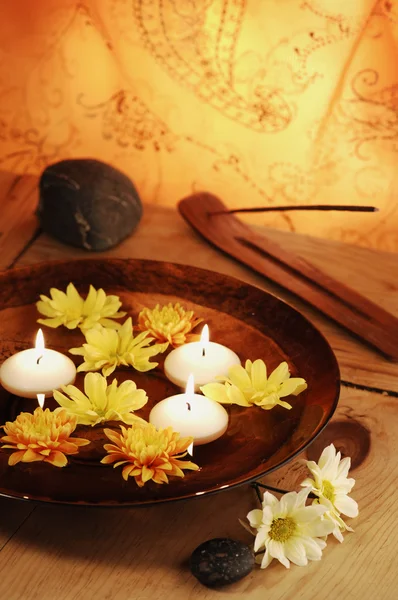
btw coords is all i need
(258, 101)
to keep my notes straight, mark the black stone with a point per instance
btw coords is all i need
(221, 561)
(87, 203)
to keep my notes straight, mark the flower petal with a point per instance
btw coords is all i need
(216, 392)
(236, 396)
(270, 500)
(266, 560)
(346, 505)
(55, 322)
(344, 467)
(57, 459)
(15, 458)
(261, 538)
(327, 457)
(312, 548)
(95, 389)
(295, 552)
(258, 375)
(293, 386)
(255, 518)
(239, 377)
(276, 550)
(287, 503)
(279, 375)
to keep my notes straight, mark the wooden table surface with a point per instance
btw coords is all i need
(67, 553)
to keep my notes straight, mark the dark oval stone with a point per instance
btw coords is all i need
(221, 561)
(87, 203)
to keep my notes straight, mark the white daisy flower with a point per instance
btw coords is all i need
(288, 530)
(331, 485)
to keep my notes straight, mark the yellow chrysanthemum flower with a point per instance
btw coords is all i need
(148, 453)
(107, 349)
(169, 323)
(250, 386)
(42, 436)
(101, 402)
(71, 310)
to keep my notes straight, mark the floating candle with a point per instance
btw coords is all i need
(191, 415)
(204, 359)
(36, 371)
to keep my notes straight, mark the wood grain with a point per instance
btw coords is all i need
(18, 201)
(68, 554)
(17, 513)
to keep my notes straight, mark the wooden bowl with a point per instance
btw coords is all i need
(251, 322)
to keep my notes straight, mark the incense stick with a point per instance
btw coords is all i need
(338, 207)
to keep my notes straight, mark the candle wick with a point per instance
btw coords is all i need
(188, 406)
(39, 359)
(203, 351)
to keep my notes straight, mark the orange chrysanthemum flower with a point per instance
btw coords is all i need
(42, 436)
(148, 453)
(169, 323)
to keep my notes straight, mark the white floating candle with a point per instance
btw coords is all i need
(204, 359)
(36, 371)
(191, 415)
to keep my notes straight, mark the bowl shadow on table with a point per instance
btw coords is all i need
(164, 535)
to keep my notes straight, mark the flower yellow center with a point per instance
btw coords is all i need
(328, 490)
(282, 529)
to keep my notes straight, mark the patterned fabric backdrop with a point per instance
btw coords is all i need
(258, 101)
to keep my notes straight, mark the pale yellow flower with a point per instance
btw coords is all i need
(148, 453)
(169, 323)
(288, 530)
(249, 385)
(71, 310)
(42, 436)
(107, 349)
(102, 402)
(331, 485)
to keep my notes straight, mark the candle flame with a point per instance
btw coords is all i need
(39, 346)
(204, 339)
(190, 449)
(41, 399)
(40, 342)
(190, 389)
